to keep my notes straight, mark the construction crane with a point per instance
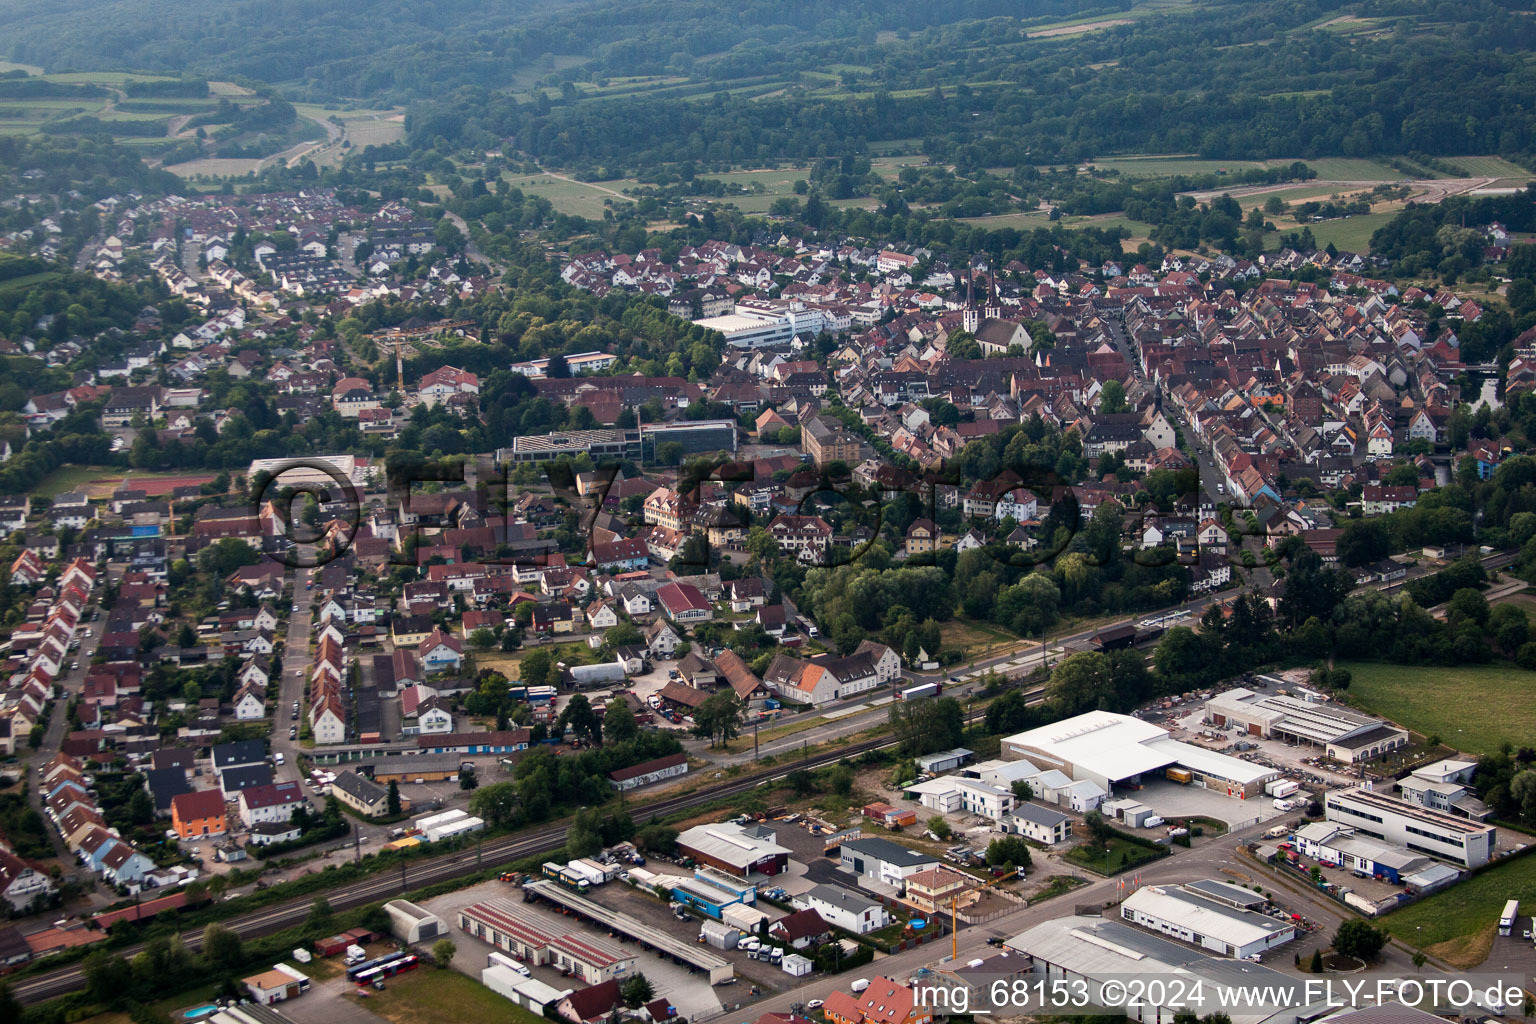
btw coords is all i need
(954, 926)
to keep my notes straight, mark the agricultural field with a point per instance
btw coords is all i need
(1491, 167)
(576, 198)
(1458, 925)
(1327, 168)
(1471, 708)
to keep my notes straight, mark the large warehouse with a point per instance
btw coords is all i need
(740, 850)
(1346, 736)
(1194, 918)
(1110, 749)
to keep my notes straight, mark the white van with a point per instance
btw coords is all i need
(1154, 822)
(1283, 805)
(279, 759)
(859, 986)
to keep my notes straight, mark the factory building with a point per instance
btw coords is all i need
(740, 850)
(1108, 749)
(1194, 918)
(1420, 829)
(1346, 736)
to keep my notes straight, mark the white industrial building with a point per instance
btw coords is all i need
(751, 330)
(882, 860)
(447, 825)
(953, 795)
(1040, 824)
(1106, 748)
(1445, 786)
(507, 978)
(845, 909)
(1328, 842)
(1346, 736)
(1191, 917)
(1098, 950)
(1420, 829)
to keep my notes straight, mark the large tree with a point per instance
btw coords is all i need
(619, 722)
(1083, 682)
(719, 718)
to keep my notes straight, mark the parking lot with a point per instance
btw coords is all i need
(645, 907)
(1172, 800)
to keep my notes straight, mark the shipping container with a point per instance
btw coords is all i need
(1180, 775)
(920, 692)
(1282, 787)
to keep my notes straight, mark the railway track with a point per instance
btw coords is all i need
(387, 884)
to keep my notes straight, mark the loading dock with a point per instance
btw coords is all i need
(690, 954)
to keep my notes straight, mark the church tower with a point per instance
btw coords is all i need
(994, 309)
(969, 320)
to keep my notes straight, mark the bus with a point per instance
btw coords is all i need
(381, 967)
(407, 962)
(1507, 919)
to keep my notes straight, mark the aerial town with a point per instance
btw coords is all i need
(738, 538)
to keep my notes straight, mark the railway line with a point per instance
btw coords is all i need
(387, 884)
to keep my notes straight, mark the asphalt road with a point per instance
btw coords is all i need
(387, 884)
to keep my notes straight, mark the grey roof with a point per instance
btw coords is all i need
(891, 853)
(1039, 815)
(1226, 892)
(360, 787)
(165, 783)
(244, 777)
(846, 899)
(239, 752)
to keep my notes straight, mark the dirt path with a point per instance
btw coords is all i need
(1072, 30)
(1425, 190)
(587, 184)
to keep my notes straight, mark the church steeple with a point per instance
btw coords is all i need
(969, 320)
(994, 309)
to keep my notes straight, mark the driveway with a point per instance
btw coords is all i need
(1172, 800)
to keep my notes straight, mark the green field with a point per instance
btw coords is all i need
(1458, 924)
(1475, 709)
(1490, 167)
(1333, 168)
(432, 996)
(577, 198)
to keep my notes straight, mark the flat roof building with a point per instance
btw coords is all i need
(1099, 950)
(1194, 918)
(1420, 829)
(1346, 736)
(1106, 748)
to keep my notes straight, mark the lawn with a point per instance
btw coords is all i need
(1327, 168)
(1458, 924)
(1120, 856)
(576, 198)
(1475, 709)
(432, 996)
(101, 481)
(1490, 167)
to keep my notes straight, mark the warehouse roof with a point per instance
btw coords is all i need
(737, 845)
(1204, 916)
